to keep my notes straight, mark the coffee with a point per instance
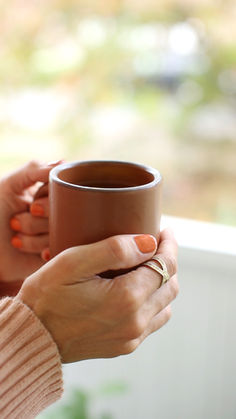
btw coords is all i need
(105, 184)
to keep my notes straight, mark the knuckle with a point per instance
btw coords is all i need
(161, 304)
(131, 299)
(128, 347)
(174, 288)
(136, 328)
(163, 317)
(171, 263)
(33, 164)
(65, 260)
(168, 313)
(116, 249)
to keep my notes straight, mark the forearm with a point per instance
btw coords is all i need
(30, 367)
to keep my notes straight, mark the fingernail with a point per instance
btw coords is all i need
(146, 243)
(37, 209)
(55, 163)
(15, 224)
(45, 255)
(16, 242)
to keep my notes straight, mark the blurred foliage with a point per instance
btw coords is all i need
(80, 403)
(148, 81)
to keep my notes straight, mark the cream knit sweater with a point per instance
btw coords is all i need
(30, 366)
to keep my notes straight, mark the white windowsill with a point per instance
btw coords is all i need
(202, 235)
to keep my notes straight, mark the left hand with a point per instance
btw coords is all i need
(89, 316)
(20, 251)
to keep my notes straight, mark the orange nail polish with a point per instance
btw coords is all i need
(146, 243)
(16, 242)
(15, 224)
(37, 210)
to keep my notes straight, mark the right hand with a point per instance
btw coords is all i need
(92, 317)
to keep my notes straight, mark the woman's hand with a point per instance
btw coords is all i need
(23, 233)
(92, 317)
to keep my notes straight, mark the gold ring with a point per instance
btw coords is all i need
(152, 264)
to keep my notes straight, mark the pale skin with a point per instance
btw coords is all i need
(89, 316)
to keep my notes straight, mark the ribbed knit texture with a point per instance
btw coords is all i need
(30, 367)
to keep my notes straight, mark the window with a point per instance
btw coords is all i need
(152, 82)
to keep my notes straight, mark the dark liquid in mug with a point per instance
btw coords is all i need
(104, 176)
(105, 184)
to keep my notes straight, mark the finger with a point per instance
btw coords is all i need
(158, 321)
(42, 191)
(40, 207)
(114, 253)
(29, 174)
(168, 244)
(45, 254)
(160, 299)
(30, 244)
(144, 280)
(167, 251)
(137, 321)
(26, 223)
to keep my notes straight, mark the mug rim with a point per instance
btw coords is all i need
(53, 177)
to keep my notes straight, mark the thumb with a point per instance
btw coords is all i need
(29, 174)
(114, 253)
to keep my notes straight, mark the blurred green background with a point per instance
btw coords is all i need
(153, 82)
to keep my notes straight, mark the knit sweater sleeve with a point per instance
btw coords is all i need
(30, 367)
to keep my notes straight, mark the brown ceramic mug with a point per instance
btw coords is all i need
(93, 200)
